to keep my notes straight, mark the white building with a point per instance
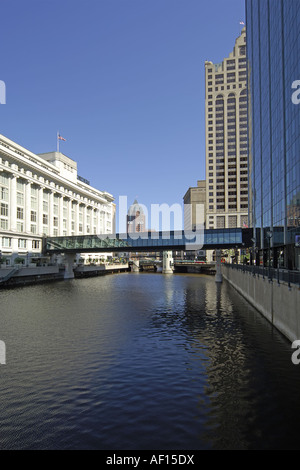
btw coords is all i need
(42, 195)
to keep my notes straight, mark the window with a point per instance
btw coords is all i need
(33, 216)
(220, 221)
(20, 213)
(4, 224)
(45, 219)
(34, 204)
(6, 242)
(232, 221)
(20, 185)
(20, 199)
(4, 179)
(22, 243)
(4, 210)
(4, 194)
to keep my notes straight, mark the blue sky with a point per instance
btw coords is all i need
(123, 82)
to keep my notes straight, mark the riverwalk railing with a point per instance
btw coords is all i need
(272, 274)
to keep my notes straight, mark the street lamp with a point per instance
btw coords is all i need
(269, 236)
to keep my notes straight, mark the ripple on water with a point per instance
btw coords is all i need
(143, 362)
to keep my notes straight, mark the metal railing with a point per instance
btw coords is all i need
(278, 275)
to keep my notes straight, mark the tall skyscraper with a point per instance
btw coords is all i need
(226, 139)
(273, 52)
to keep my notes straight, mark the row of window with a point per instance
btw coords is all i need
(22, 243)
(33, 227)
(5, 179)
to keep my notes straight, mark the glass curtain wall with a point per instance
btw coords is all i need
(273, 56)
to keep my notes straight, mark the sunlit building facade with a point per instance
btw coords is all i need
(273, 53)
(226, 129)
(42, 195)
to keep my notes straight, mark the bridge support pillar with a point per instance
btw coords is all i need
(218, 277)
(167, 262)
(69, 266)
(135, 267)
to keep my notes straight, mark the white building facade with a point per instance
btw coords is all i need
(42, 195)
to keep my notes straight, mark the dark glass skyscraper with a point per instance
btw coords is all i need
(273, 53)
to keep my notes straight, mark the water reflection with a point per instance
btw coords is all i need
(143, 362)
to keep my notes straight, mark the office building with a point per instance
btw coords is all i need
(194, 206)
(194, 214)
(273, 53)
(226, 139)
(42, 195)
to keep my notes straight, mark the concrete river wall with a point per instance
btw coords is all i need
(278, 302)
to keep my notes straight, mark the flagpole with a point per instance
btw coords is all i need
(57, 141)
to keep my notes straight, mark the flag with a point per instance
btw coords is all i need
(245, 225)
(241, 22)
(61, 138)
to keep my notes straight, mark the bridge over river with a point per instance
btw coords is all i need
(206, 239)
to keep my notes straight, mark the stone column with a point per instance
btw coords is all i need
(60, 215)
(135, 267)
(13, 203)
(27, 214)
(69, 266)
(69, 217)
(40, 211)
(84, 212)
(167, 262)
(104, 221)
(50, 214)
(77, 219)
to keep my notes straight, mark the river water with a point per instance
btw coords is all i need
(143, 361)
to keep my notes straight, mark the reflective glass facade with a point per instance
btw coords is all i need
(273, 54)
